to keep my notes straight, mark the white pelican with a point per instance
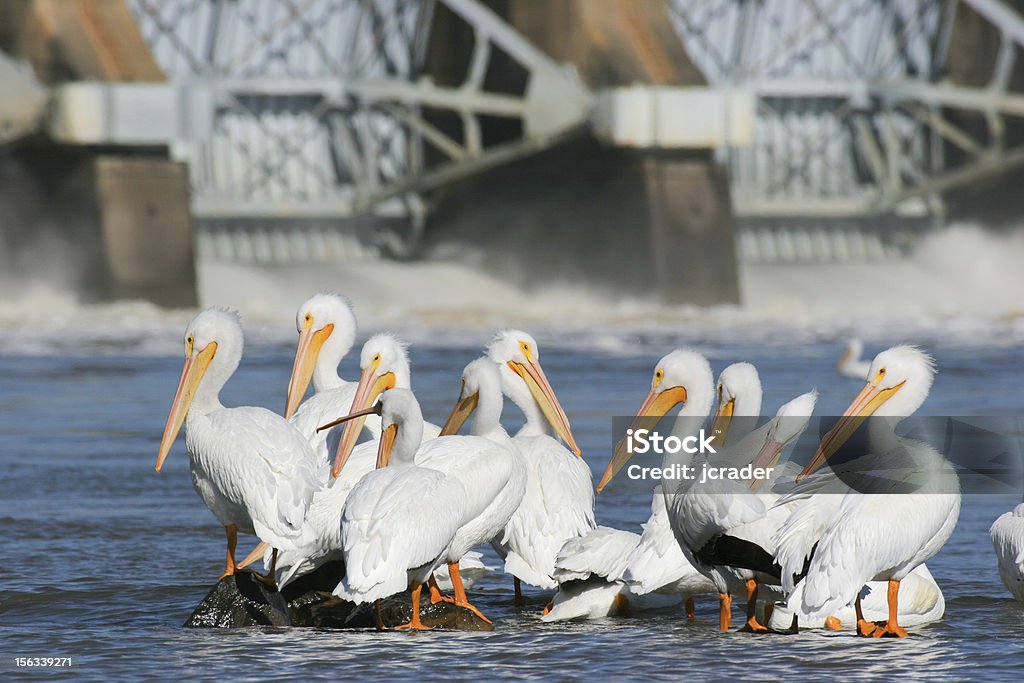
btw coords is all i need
(850, 364)
(559, 500)
(739, 396)
(920, 599)
(875, 536)
(493, 474)
(612, 572)
(399, 520)
(728, 528)
(327, 330)
(385, 364)
(681, 377)
(1007, 534)
(589, 573)
(657, 563)
(253, 470)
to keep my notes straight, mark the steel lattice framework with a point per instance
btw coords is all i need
(316, 110)
(312, 112)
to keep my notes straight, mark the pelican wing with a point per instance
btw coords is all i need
(276, 475)
(658, 563)
(396, 519)
(558, 505)
(1007, 535)
(872, 534)
(602, 552)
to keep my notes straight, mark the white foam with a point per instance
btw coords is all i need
(961, 285)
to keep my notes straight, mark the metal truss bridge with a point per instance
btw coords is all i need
(310, 126)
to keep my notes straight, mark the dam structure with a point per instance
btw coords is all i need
(694, 135)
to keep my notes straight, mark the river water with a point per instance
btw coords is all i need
(104, 559)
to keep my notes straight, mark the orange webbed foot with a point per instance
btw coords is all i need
(475, 611)
(889, 631)
(753, 626)
(413, 626)
(866, 628)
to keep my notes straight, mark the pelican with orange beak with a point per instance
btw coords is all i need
(559, 499)
(739, 399)
(385, 365)
(683, 377)
(400, 520)
(880, 536)
(327, 330)
(253, 470)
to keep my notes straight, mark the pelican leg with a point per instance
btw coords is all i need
(752, 625)
(414, 622)
(891, 628)
(460, 591)
(769, 610)
(620, 605)
(724, 611)
(518, 586)
(436, 595)
(380, 618)
(231, 567)
(864, 628)
(691, 609)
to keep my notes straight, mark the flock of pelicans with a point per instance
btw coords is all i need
(405, 508)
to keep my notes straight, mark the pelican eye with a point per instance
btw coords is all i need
(525, 346)
(376, 358)
(309, 317)
(659, 375)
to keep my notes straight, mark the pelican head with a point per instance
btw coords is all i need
(790, 422)
(480, 376)
(739, 393)
(213, 347)
(327, 330)
(898, 383)
(523, 380)
(682, 377)
(385, 364)
(401, 427)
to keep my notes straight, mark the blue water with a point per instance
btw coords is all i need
(104, 559)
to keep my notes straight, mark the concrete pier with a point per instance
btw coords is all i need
(125, 212)
(630, 221)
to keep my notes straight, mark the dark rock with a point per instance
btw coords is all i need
(239, 601)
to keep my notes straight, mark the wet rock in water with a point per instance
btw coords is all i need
(238, 601)
(241, 601)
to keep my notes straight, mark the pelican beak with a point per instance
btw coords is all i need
(766, 457)
(653, 409)
(370, 387)
(540, 388)
(306, 355)
(372, 410)
(387, 442)
(867, 402)
(723, 418)
(257, 554)
(461, 411)
(195, 367)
